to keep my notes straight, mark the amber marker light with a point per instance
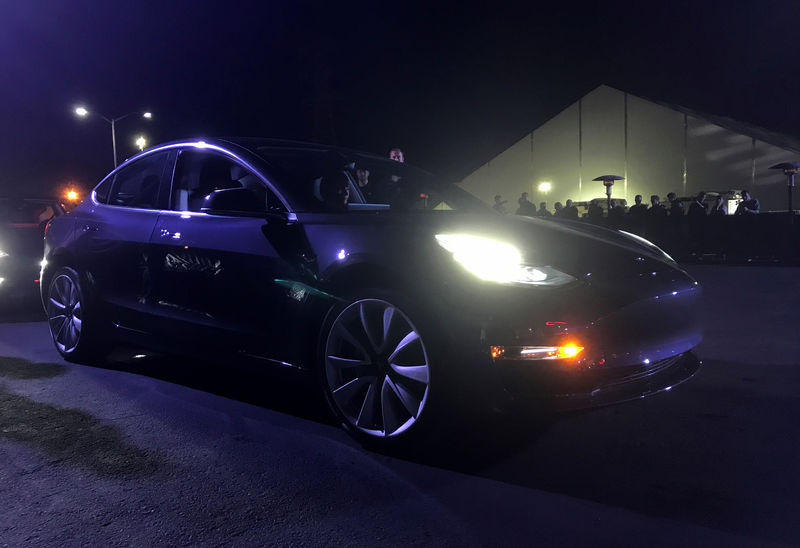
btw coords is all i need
(496, 351)
(568, 351)
(72, 195)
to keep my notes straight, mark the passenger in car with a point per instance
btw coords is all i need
(362, 178)
(335, 191)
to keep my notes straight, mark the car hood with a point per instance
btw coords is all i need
(576, 248)
(579, 249)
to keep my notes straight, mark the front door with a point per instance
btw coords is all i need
(221, 279)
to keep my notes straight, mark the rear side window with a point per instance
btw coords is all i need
(136, 185)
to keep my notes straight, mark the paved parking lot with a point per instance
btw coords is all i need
(162, 451)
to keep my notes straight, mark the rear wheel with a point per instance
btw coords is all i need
(378, 368)
(74, 328)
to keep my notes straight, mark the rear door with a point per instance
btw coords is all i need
(113, 237)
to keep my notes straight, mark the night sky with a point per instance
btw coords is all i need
(450, 84)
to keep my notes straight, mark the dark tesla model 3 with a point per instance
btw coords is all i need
(404, 296)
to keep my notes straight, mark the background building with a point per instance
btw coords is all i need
(658, 148)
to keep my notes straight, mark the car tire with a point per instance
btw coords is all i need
(379, 369)
(75, 325)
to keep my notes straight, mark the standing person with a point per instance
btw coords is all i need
(570, 211)
(499, 205)
(542, 212)
(717, 227)
(391, 187)
(697, 224)
(637, 214)
(594, 212)
(656, 208)
(525, 206)
(616, 215)
(655, 221)
(397, 155)
(675, 206)
(674, 238)
(748, 205)
(698, 207)
(719, 207)
(638, 209)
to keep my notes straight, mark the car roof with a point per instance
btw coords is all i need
(259, 142)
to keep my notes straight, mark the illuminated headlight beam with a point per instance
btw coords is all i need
(497, 261)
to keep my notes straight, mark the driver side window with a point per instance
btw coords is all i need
(199, 173)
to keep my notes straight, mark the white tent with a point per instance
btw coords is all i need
(657, 148)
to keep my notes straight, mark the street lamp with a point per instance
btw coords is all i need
(83, 112)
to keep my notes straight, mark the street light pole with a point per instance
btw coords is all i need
(114, 141)
(83, 112)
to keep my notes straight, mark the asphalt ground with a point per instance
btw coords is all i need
(157, 450)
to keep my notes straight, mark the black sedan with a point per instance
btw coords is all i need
(22, 224)
(408, 299)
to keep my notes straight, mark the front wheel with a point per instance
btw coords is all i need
(75, 333)
(377, 369)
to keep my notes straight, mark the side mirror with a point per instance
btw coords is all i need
(239, 202)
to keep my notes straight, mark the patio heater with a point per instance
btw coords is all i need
(789, 169)
(608, 181)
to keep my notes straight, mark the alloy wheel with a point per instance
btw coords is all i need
(377, 368)
(64, 313)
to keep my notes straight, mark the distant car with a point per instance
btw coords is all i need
(22, 224)
(405, 297)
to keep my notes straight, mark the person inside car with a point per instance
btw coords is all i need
(335, 191)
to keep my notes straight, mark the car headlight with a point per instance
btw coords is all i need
(649, 245)
(496, 261)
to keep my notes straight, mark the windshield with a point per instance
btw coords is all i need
(332, 180)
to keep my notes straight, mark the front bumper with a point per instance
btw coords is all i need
(569, 388)
(637, 337)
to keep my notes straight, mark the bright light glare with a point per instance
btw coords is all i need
(565, 352)
(545, 186)
(81, 111)
(3, 253)
(569, 351)
(342, 254)
(488, 259)
(141, 142)
(72, 195)
(496, 261)
(147, 115)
